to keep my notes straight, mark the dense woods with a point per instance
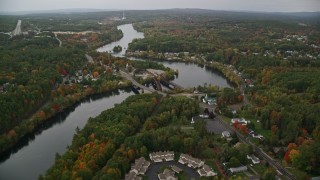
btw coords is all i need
(272, 59)
(280, 60)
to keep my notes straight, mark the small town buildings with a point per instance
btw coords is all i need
(254, 159)
(206, 171)
(190, 161)
(162, 156)
(167, 174)
(139, 167)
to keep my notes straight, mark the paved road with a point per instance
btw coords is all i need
(261, 153)
(134, 82)
(154, 168)
(17, 31)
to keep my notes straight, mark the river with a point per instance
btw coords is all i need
(35, 154)
(190, 74)
(129, 34)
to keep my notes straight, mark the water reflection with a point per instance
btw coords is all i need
(36, 152)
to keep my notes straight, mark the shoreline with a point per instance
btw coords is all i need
(15, 146)
(214, 66)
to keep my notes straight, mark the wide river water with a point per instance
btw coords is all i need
(36, 153)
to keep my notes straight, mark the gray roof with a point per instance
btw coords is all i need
(238, 169)
(176, 169)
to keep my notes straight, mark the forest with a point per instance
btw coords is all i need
(107, 145)
(281, 59)
(277, 53)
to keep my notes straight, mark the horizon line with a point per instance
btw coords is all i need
(26, 12)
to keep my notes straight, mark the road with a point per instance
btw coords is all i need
(260, 152)
(134, 82)
(17, 31)
(60, 42)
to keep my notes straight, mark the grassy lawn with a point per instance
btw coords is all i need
(226, 119)
(212, 165)
(259, 129)
(259, 168)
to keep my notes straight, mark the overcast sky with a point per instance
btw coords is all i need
(239, 5)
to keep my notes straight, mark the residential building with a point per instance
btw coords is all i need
(225, 134)
(206, 171)
(162, 156)
(238, 169)
(176, 169)
(139, 167)
(190, 161)
(254, 159)
(167, 174)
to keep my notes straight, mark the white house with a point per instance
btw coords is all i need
(254, 159)
(226, 134)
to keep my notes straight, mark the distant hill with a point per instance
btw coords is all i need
(57, 11)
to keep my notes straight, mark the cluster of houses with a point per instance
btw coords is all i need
(203, 169)
(190, 161)
(162, 156)
(141, 165)
(170, 56)
(245, 122)
(242, 168)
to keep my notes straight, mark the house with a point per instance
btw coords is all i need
(167, 174)
(241, 121)
(254, 159)
(238, 169)
(176, 169)
(192, 121)
(190, 161)
(258, 136)
(226, 134)
(204, 115)
(206, 171)
(139, 167)
(132, 176)
(162, 156)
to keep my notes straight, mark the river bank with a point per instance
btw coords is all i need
(34, 154)
(222, 69)
(29, 126)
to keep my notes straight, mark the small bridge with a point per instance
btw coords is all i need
(134, 82)
(159, 78)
